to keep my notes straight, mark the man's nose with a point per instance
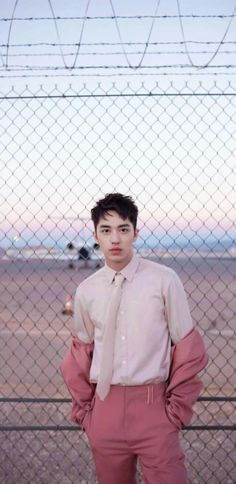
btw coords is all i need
(115, 237)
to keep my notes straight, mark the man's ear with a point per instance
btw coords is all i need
(95, 236)
(136, 233)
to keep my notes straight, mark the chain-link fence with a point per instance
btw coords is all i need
(173, 149)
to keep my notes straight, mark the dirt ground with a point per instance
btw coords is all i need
(34, 338)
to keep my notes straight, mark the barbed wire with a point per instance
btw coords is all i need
(117, 66)
(203, 66)
(125, 17)
(80, 38)
(56, 28)
(75, 44)
(148, 37)
(115, 18)
(41, 70)
(115, 53)
(117, 74)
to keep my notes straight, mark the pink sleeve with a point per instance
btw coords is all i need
(188, 359)
(75, 369)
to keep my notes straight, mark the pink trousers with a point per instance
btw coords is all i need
(132, 423)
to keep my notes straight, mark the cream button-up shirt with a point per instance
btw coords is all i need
(153, 311)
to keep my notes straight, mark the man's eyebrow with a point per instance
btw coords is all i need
(105, 226)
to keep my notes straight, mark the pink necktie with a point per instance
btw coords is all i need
(107, 358)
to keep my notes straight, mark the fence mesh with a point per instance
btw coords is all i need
(173, 149)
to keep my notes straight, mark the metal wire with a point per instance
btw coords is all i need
(116, 19)
(206, 64)
(111, 17)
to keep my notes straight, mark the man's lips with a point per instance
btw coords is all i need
(116, 249)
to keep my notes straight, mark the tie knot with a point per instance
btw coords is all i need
(119, 279)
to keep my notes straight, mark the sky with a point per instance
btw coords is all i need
(173, 151)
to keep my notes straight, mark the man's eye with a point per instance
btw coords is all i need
(125, 230)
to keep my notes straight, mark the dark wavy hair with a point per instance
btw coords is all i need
(122, 204)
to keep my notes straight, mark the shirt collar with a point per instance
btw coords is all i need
(127, 271)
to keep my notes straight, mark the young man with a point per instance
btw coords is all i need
(132, 365)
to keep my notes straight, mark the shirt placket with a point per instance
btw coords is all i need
(123, 340)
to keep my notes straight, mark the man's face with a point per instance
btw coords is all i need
(115, 237)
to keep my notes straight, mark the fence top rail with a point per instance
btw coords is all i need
(55, 428)
(120, 95)
(128, 89)
(68, 400)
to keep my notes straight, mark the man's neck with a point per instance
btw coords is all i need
(119, 265)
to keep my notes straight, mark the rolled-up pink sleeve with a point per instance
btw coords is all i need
(189, 357)
(75, 369)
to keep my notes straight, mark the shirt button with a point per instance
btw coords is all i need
(124, 362)
(123, 337)
(121, 313)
